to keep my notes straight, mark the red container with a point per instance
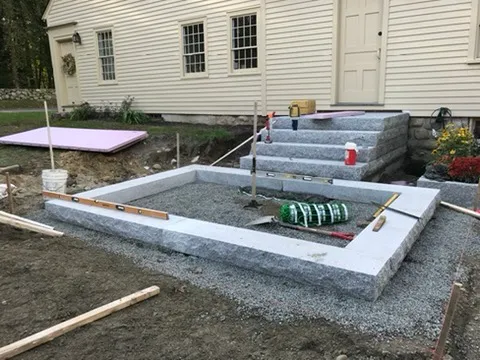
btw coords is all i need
(350, 157)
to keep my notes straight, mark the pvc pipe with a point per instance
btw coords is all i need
(49, 136)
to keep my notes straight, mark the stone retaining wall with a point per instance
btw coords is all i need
(461, 194)
(27, 94)
(420, 139)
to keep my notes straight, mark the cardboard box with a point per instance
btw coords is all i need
(303, 106)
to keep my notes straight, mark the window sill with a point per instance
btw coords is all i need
(193, 77)
(107, 83)
(473, 61)
(244, 72)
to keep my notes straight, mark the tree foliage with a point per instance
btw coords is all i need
(24, 50)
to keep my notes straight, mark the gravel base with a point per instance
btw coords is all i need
(410, 306)
(225, 205)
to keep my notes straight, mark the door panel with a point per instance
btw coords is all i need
(359, 50)
(71, 81)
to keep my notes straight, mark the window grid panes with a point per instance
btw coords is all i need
(193, 48)
(244, 42)
(106, 55)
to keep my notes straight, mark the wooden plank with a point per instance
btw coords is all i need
(9, 193)
(107, 205)
(331, 115)
(15, 217)
(447, 322)
(53, 332)
(27, 226)
(9, 168)
(387, 204)
(380, 222)
(461, 209)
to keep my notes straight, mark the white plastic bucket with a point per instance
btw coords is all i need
(55, 180)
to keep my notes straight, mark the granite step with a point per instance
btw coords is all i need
(368, 122)
(337, 137)
(310, 151)
(311, 167)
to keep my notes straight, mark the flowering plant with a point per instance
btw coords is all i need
(465, 169)
(454, 142)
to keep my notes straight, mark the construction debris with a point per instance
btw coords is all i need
(25, 224)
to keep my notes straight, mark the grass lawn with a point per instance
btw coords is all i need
(21, 121)
(25, 104)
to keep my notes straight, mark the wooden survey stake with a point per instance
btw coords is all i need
(49, 334)
(380, 222)
(447, 321)
(108, 205)
(9, 193)
(477, 198)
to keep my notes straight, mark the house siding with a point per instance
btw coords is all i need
(148, 59)
(426, 55)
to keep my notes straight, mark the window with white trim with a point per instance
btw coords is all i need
(193, 36)
(106, 56)
(244, 48)
(474, 41)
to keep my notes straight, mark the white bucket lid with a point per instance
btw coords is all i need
(351, 146)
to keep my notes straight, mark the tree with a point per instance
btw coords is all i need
(24, 48)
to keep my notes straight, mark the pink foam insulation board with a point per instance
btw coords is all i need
(331, 115)
(105, 141)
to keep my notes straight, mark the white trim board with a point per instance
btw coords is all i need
(362, 269)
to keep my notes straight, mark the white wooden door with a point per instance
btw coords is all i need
(359, 51)
(72, 92)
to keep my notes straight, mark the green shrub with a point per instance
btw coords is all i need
(129, 116)
(84, 112)
(109, 111)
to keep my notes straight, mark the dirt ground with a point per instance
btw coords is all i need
(44, 281)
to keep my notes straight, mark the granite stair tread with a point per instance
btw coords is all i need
(311, 167)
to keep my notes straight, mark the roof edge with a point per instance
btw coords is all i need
(47, 10)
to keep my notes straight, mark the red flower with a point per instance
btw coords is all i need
(466, 169)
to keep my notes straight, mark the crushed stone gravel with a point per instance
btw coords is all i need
(225, 205)
(411, 304)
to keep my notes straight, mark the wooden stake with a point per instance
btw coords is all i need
(380, 222)
(477, 198)
(254, 152)
(107, 205)
(27, 226)
(447, 322)
(178, 150)
(49, 136)
(9, 168)
(53, 332)
(9, 193)
(461, 209)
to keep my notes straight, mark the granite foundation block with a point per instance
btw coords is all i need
(362, 269)
(142, 187)
(385, 160)
(461, 194)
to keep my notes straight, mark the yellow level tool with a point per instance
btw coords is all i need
(107, 205)
(271, 174)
